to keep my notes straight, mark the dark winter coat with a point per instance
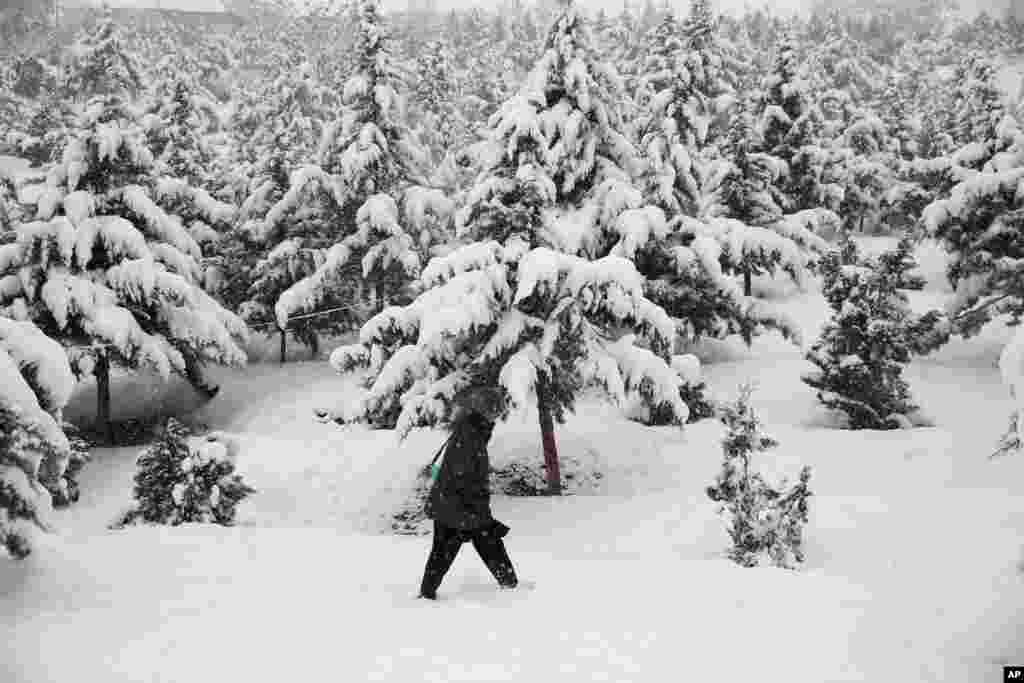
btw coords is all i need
(461, 496)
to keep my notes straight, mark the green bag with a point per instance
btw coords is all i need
(433, 470)
(430, 473)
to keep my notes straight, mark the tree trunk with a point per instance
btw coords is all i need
(547, 435)
(374, 300)
(284, 344)
(314, 345)
(102, 374)
(747, 288)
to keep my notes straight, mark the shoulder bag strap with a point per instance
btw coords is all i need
(441, 449)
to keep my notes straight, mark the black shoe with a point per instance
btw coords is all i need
(428, 596)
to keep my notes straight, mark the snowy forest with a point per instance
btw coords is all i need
(249, 261)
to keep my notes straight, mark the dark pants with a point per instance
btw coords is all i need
(448, 541)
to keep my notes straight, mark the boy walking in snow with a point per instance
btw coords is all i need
(460, 500)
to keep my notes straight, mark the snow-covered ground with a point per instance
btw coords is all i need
(913, 566)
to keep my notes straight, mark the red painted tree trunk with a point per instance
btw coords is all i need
(284, 345)
(547, 435)
(102, 374)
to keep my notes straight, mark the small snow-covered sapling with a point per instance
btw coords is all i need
(766, 521)
(179, 481)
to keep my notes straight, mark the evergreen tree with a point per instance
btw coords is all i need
(980, 225)
(687, 261)
(894, 111)
(299, 248)
(442, 127)
(621, 48)
(766, 519)
(935, 137)
(663, 47)
(747, 195)
(870, 338)
(979, 101)
(35, 384)
(843, 63)
(64, 487)
(179, 482)
(49, 124)
(175, 137)
(102, 65)
(10, 208)
(900, 264)
(176, 131)
(292, 119)
(368, 185)
(789, 123)
(866, 170)
(110, 273)
(680, 112)
(520, 306)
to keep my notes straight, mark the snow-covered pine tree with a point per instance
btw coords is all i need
(935, 138)
(176, 131)
(865, 170)
(784, 98)
(12, 107)
(979, 102)
(179, 481)
(10, 208)
(619, 47)
(291, 121)
(942, 165)
(789, 123)
(755, 236)
(101, 64)
(108, 272)
(981, 224)
(747, 194)
(692, 392)
(894, 108)
(784, 103)
(239, 252)
(844, 63)
(175, 136)
(35, 385)
(901, 264)
(369, 185)
(521, 305)
(64, 488)
(685, 91)
(482, 65)
(872, 334)
(766, 519)
(191, 69)
(683, 261)
(207, 219)
(442, 127)
(300, 246)
(281, 131)
(49, 124)
(663, 47)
